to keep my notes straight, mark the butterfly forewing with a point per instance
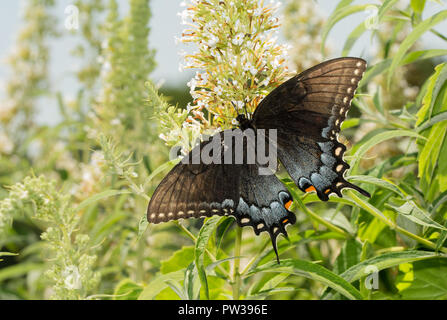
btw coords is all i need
(308, 110)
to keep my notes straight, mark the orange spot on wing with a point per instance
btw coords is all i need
(288, 204)
(327, 191)
(285, 221)
(310, 189)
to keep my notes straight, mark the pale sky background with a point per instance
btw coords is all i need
(165, 25)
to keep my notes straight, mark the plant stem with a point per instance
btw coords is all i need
(236, 265)
(140, 259)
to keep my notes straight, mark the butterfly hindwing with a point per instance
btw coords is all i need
(198, 190)
(307, 110)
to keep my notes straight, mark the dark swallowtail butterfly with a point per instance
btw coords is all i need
(307, 111)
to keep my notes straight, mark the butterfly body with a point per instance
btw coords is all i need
(244, 123)
(305, 114)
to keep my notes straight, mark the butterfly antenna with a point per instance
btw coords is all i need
(235, 108)
(246, 111)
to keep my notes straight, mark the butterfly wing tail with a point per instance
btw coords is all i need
(357, 188)
(275, 248)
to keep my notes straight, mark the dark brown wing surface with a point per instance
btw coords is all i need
(200, 190)
(307, 110)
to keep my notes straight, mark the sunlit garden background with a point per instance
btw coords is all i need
(94, 93)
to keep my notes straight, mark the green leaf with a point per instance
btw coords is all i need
(159, 283)
(384, 261)
(353, 37)
(164, 167)
(411, 57)
(431, 159)
(376, 139)
(431, 122)
(429, 154)
(418, 5)
(338, 219)
(350, 123)
(312, 271)
(417, 32)
(18, 270)
(267, 283)
(349, 256)
(222, 229)
(99, 196)
(213, 265)
(378, 182)
(377, 99)
(343, 3)
(217, 288)
(142, 226)
(371, 230)
(342, 11)
(441, 240)
(3, 254)
(127, 289)
(435, 84)
(167, 293)
(202, 241)
(381, 262)
(175, 286)
(429, 281)
(363, 26)
(179, 260)
(190, 283)
(422, 54)
(412, 212)
(107, 225)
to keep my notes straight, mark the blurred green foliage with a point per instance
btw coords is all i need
(74, 195)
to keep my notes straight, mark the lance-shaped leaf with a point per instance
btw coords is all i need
(412, 212)
(312, 271)
(414, 36)
(202, 241)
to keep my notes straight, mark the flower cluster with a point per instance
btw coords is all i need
(126, 62)
(119, 163)
(36, 191)
(302, 28)
(237, 57)
(89, 49)
(171, 121)
(91, 175)
(72, 273)
(72, 262)
(6, 208)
